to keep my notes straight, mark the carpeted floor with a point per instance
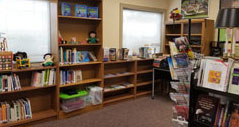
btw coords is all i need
(139, 112)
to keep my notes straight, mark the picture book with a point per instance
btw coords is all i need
(215, 75)
(65, 9)
(206, 109)
(234, 79)
(173, 51)
(106, 54)
(183, 46)
(80, 10)
(85, 56)
(232, 117)
(92, 12)
(182, 60)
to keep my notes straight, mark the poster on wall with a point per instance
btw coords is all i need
(194, 8)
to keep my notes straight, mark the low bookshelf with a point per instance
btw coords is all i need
(134, 75)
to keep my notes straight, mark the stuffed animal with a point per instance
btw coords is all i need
(48, 60)
(92, 37)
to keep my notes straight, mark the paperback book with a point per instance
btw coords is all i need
(92, 12)
(65, 9)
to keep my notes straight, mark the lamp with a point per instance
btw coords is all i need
(228, 18)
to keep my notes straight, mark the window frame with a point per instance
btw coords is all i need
(146, 9)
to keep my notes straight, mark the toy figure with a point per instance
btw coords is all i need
(92, 37)
(21, 60)
(48, 60)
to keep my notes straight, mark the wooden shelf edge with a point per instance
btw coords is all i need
(115, 99)
(82, 82)
(121, 75)
(28, 88)
(63, 115)
(35, 117)
(80, 18)
(173, 34)
(71, 45)
(145, 71)
(144, 83)
(118, 61)
(80, 64)
(118, 89)
(143, 93)
(34, 68)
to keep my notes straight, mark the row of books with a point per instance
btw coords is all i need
(216, 111)
(70, 76)
(217, 74)
(9, 83)
(15, 110)
(80, 10)
(74, 56)
(118, 86)
(44, 78)
(115, 74)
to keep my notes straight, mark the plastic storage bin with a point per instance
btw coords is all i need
(73, 102)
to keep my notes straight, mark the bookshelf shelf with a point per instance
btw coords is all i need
(173, 35)
(118, 98)
(144, 83)
(120, 75)
(78, 45)
(118, 89)
(34, 68)
(193, 46)
(145, 71)
(79, 18)
(63, 115)
(118, 61)
(80, 64)
(82, 82)
(143, 93)
(193, 34)
(35, 117)
(27, 88)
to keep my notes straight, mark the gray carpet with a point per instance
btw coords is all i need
(139, 112)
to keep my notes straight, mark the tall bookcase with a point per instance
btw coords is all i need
(79, 27)
(202, 33)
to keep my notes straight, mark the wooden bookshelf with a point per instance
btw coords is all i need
(136, 71)
(201, 33)
(79, 27)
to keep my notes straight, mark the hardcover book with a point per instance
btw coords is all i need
(65, 9)
(80, 10)
(92, 12)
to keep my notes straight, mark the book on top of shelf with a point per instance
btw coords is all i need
(92, 12)
(80, 10)
(65, 9)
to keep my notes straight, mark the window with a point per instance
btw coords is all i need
(27, 26)
(141, 28)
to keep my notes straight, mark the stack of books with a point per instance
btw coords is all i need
(70, 76)
(74, 56)
(44, 78)
(15, 110)
(9, 83)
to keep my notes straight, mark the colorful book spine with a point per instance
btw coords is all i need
(43, 78)
(70, 76)
(9, 83)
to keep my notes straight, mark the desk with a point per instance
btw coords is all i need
(160, 70)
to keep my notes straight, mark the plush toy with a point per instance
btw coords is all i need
(92, 37)
(48, 60)
(21, 60)
(175, 14)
